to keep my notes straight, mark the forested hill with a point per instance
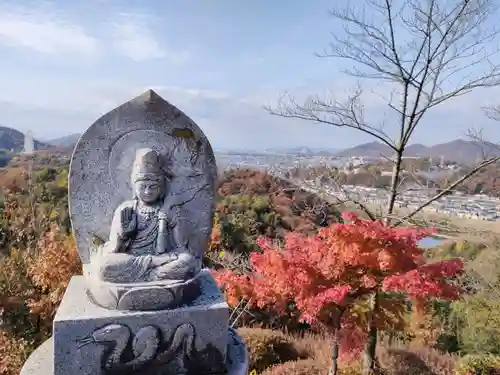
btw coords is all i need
(12, 139)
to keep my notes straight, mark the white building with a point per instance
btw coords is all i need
(29, 143)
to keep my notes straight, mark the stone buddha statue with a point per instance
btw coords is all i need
(146, 241)
(141, 199)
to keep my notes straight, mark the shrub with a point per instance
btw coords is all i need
(267, 347)
(306, 367)
(302, 367)
(32, 284)
(478, 318)
(438, 362)
(13, 353)
(479, 365)
(413, 361)
(50, 271)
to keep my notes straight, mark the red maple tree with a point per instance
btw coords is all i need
(330, 276)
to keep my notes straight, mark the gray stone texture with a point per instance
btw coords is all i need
(237, 358)
(144, 305)
(101, 167)
(78, 318)
(41, 361)
(144, 296)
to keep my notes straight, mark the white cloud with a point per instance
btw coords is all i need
(44, 33)
(134, 38)
(229, 120)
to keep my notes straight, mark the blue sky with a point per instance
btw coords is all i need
(65, 63)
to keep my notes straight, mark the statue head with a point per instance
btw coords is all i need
(149, 178)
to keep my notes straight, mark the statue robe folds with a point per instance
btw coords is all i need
(129, 258)
(118, 260)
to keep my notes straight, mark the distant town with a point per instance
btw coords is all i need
(479, 206)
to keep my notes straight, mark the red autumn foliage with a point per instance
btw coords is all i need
(337, 268)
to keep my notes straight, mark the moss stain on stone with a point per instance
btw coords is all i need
(182, 132)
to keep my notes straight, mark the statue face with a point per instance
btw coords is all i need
(148, 191)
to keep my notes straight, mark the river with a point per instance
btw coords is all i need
(429, 242)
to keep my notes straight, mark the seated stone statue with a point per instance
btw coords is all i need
(146, 241)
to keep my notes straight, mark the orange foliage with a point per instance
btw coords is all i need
(485, 181)
(247, 181)
(13, 353)
(215, 238)
(32, 284)
(252, 204)
(14, 178)
(336, 269)
(50, 271)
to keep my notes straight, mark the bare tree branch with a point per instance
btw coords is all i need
(451, 186)
(429, 51)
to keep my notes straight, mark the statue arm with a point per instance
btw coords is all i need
(163, 257)
(114, 263)
(119, 233)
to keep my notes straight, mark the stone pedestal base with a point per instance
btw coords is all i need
(237, 361)
(153, 295)
(91, 340)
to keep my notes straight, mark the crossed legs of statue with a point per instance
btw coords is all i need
(184, 267)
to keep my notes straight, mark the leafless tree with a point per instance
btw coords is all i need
(428, 52)
(493, 112)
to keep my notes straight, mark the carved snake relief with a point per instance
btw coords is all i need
(127, 354)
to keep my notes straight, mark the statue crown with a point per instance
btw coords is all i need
(147, 164)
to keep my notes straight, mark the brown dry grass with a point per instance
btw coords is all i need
(51, 270)
(269, 347)
(32, 284)
(315, 352)
(13, 353)
(302, 367)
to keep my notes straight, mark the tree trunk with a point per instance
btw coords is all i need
(335, 345)
(393, 192)
(371, 342)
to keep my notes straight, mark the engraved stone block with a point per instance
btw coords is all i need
(89, 339)
(141, 197)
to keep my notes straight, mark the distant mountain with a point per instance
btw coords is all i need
(459, 150)
(12, 139)
(416, 149)
(66, 141)
(373, 149)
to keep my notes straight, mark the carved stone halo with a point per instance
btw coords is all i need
(101, 166)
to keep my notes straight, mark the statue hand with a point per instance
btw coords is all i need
(128, 221)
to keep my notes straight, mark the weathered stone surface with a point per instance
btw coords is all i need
(89, 339)
(163, 294)
(101, 167)
(141, 192)
(237, 360)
